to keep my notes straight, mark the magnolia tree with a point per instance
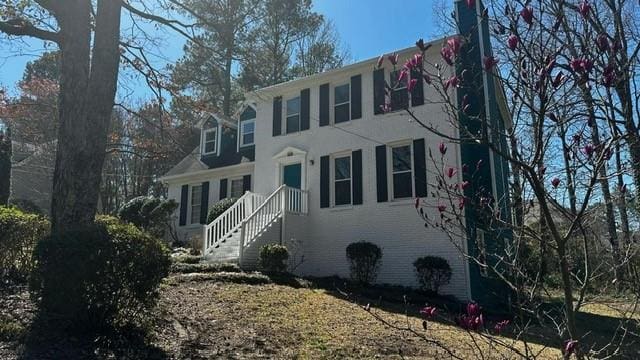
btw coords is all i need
(567, 132)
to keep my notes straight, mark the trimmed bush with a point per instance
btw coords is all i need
(273, 258)
(150, 214)
(220, 207)
(27, 206)
(19, 234)
(432, 272)
(101, 276)
(364, 261)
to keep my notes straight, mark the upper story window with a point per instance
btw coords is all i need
(293, 115)
(247, 132)
(399, 93)
(342, 180)
(196, 201)
(210, 141)
(402, 171)
(342, 103)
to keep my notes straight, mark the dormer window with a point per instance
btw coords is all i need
(210, 141)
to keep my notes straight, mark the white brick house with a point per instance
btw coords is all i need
(351, 173)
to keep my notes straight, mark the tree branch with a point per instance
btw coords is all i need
(21, 27)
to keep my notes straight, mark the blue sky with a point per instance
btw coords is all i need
(367, 28)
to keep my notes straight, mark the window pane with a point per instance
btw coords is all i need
(394, 80)
(343, 192)
(210, 135)
(293, 106)
(236, 188)
(293, 124)
(196, 198)
(341, 94)
(402, 185)
(248, 126)
(399, 99)
(195, 214)
(342, 113)
(210, 146)
(247, 139)
(401, 158)
(343, 168)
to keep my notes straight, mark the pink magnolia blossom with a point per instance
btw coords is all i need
(512, 42)
(417, 203)
(380, 60)
(462, 202)
(489, 62)
(570, 347)
(584, 8)
(442, 207)
(417, 59)
(385, 108)
(455, 44)
(452, 82)
(427, 78)
(471, 3)
(558, 80)
(473, 309)
(527, 15)
(588, 150)
(555, 182)
(412, 84)
(603, 42)
(428, 311)
(402, 76)
(447, 55)
(451, 172)
(608, 76)
(500, 326)
(442, 147)
(393, 59)
(464, 185)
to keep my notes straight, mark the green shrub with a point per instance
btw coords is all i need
(27, 206)
(104, 275)
(220, 207)
(150, 214)
(273, 258)
(432, 272)
(364, 261)
(19, 234)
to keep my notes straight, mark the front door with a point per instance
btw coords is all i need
(292, 175)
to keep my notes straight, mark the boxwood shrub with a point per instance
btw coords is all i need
(364, 261)
(433, 272)
(273, 258)
(19, 234)
(101, 276)
(220, 207)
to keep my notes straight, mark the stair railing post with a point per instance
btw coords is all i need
(204, 240)
(241, 250)
(285, 199)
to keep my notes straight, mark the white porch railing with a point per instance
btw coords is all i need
(230, 220)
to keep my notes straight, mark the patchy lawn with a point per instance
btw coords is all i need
(231, 315)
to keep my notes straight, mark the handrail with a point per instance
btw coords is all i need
(229, 221)
(266, 213)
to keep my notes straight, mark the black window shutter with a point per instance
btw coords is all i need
(204, 203)
(305, 109)
(324, 105)
(184, 199)
(246, 183)
(356, 97)
(277, 116)
(378, 91)
(325, 182)
(417, 94)
(420, 166)
(223, 188)
(356, 164)
(381, 173)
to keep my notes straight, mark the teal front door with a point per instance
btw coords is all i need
(292, 175)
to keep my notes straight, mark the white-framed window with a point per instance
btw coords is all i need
(402, 171)
(482, 251)
(196, 203)
(236, 188)
(247, 132)
(342, 103)
(342, 180)
(293, 115)
(399, 94)
(210, 141)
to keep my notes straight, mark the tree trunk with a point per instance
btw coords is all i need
(87, 91)
(5, 166)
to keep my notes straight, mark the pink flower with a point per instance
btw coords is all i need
(500, 326)
(558, 80)
(527, 15)
(603, 42)
(380, 60)
(428, 311)
(455, 43)
(465, 184)
(417, 59)
(512, 42)
(417, 204)
(385, 108)
(584, 8)
(442, 148)
(608, 76)
(427, 78)
(570, 347)
(447, 55)
(576, 65)
(412, 84)
(473, 309)
(489, 62)
(471, 3)
(450, 172)
(402, 76)
(453, 81)
(393, 59)
(462, 202)
(442, 207)
(588, 150)
(555, 182)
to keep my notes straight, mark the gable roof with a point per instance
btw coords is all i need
(191, 163)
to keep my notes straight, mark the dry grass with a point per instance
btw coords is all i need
(231, 320)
